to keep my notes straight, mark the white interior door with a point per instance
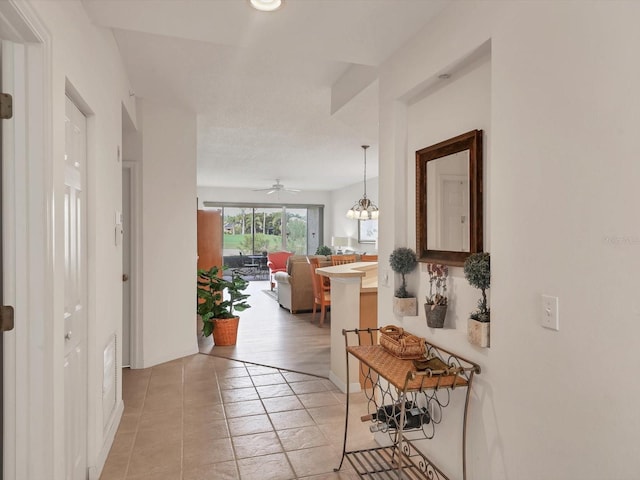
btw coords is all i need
(75, 315)
(455, 214)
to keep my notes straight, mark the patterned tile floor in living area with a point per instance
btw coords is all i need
(209, 418)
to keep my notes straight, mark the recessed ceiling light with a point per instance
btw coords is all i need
(266, 5)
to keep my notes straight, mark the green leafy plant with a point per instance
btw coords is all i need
(477, 271)
(437, 284)
(212, 302)
(323, 250)
(403, 260)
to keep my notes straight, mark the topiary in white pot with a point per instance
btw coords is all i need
(404, 260)
(477, 271)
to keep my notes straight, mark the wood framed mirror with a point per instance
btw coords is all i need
(449, 199)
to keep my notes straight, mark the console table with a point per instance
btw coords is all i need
(402, 399)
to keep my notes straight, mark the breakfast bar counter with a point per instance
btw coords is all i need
(354, 304)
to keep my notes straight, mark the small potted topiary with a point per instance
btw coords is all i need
(404, 260)
(477, 271)
(436, 306)
(217, 311)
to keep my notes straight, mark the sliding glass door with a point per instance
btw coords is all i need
(296, 230)
(259, 229)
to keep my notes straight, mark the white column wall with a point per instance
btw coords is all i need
(168, 233)
(561, 197)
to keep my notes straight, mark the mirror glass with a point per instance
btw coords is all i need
(448, 203)
(449, 199)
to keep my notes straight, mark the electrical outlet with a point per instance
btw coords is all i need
(549, 314)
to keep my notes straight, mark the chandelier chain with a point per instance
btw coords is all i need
(365, 170)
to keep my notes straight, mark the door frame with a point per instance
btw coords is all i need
(136, 354)
(33, 404)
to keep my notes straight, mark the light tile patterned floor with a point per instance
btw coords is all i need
(209, 418)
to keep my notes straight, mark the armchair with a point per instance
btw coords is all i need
(277, 262)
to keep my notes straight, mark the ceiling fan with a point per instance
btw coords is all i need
(277, 187)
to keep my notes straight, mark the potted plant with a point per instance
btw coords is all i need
(323, 250)
(436, 306)
(216, 309)
(477, 271)
(404, 260)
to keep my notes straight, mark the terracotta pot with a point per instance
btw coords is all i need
(478, 332)
(225, 331)
(435, 315)
(405, 307)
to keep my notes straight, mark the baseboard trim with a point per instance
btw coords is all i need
(353, 387)
(96, 471)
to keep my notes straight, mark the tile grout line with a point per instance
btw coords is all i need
(317, 425)
(264, 365)
(295, 474)
(226, 419)
(288, 380)
(304, 407)
(135, 437)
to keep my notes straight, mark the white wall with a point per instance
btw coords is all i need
(168, 233)
(459, 105)
(341, 201)
(79, 60)
(561, 191)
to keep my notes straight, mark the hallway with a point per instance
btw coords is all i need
(208, 418)
(222, 414)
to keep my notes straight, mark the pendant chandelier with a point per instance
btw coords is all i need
(364, 209)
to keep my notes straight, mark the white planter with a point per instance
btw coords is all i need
(478, 333)
(405, 307)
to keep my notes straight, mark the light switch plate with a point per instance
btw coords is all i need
(549, 313)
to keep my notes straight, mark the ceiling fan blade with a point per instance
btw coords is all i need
(277, 187)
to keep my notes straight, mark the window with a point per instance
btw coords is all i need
(255, 229)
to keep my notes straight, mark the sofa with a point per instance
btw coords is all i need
(295, 290)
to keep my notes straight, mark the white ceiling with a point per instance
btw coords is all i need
(261, 82)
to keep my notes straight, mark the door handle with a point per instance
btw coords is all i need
(6, 318)
(125, 277)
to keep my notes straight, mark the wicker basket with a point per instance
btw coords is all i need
(225, 331)
(402, 344)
